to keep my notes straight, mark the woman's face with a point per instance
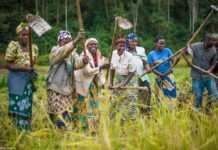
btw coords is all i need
(24, 37)
(133, 44)
(121, 45)
(160, 44)
(64, 41)
(92, 47)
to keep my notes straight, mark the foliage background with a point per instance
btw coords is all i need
(175, 19)
(181, 128)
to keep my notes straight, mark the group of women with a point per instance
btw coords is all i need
(73, 80)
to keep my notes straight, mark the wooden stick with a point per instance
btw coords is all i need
(201, 26)
(181, 50)
(130, 88)
(30, 48)
(199, 68)
(112, 47)
(81, 25)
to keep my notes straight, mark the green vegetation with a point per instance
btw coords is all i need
(175, 19)
(181, 128)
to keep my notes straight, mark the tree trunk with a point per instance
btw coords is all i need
(159, 11)
(66, 9)
(46, 9)
(168, 11)
(106, 8)
(58, 13)
(43, 8)
(193, 14)
(37, 7)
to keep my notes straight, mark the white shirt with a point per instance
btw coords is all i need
(122, 64)
(138, 58)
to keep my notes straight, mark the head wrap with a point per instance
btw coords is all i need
(96, 59)
(90, 40)
(22, 26)
(132, 36)
(63, 35)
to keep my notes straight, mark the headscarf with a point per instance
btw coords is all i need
(90, 40)
(85, 76)
(97, 57)
(132, 36)
(22, 26)
(63, 35)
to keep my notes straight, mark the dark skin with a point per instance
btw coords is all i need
(92, 48)
(120, 49)
(67, 40)
(208, 42)
(23, 38)
(160, 45)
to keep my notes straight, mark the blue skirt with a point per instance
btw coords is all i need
(168, 86)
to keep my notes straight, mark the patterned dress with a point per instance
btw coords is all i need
(124, 101)
(86, 106)
(60, 104)
(85, 110)
(20, 103)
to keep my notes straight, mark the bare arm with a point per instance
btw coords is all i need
(63, 52)
(59, 54)
(129, 77)
(112, 73)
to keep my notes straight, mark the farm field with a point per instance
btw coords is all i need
(179, 129)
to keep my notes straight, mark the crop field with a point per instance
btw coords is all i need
(180, 128)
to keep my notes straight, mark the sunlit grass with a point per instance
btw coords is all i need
(180, 128)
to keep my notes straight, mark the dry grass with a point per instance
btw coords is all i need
(180, 128)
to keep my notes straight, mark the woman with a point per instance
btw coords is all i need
(60, 86)
(140, 60)
(123, 70)
(164, 78)
(20, 83)
(86, 107)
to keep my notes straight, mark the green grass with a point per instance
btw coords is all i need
(179, 129)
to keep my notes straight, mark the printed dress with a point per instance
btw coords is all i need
(20, 86)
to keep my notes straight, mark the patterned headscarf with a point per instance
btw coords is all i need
(63, 35)
(132, 36)
(22, 26)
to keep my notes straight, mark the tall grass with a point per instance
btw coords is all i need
(179, 129)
